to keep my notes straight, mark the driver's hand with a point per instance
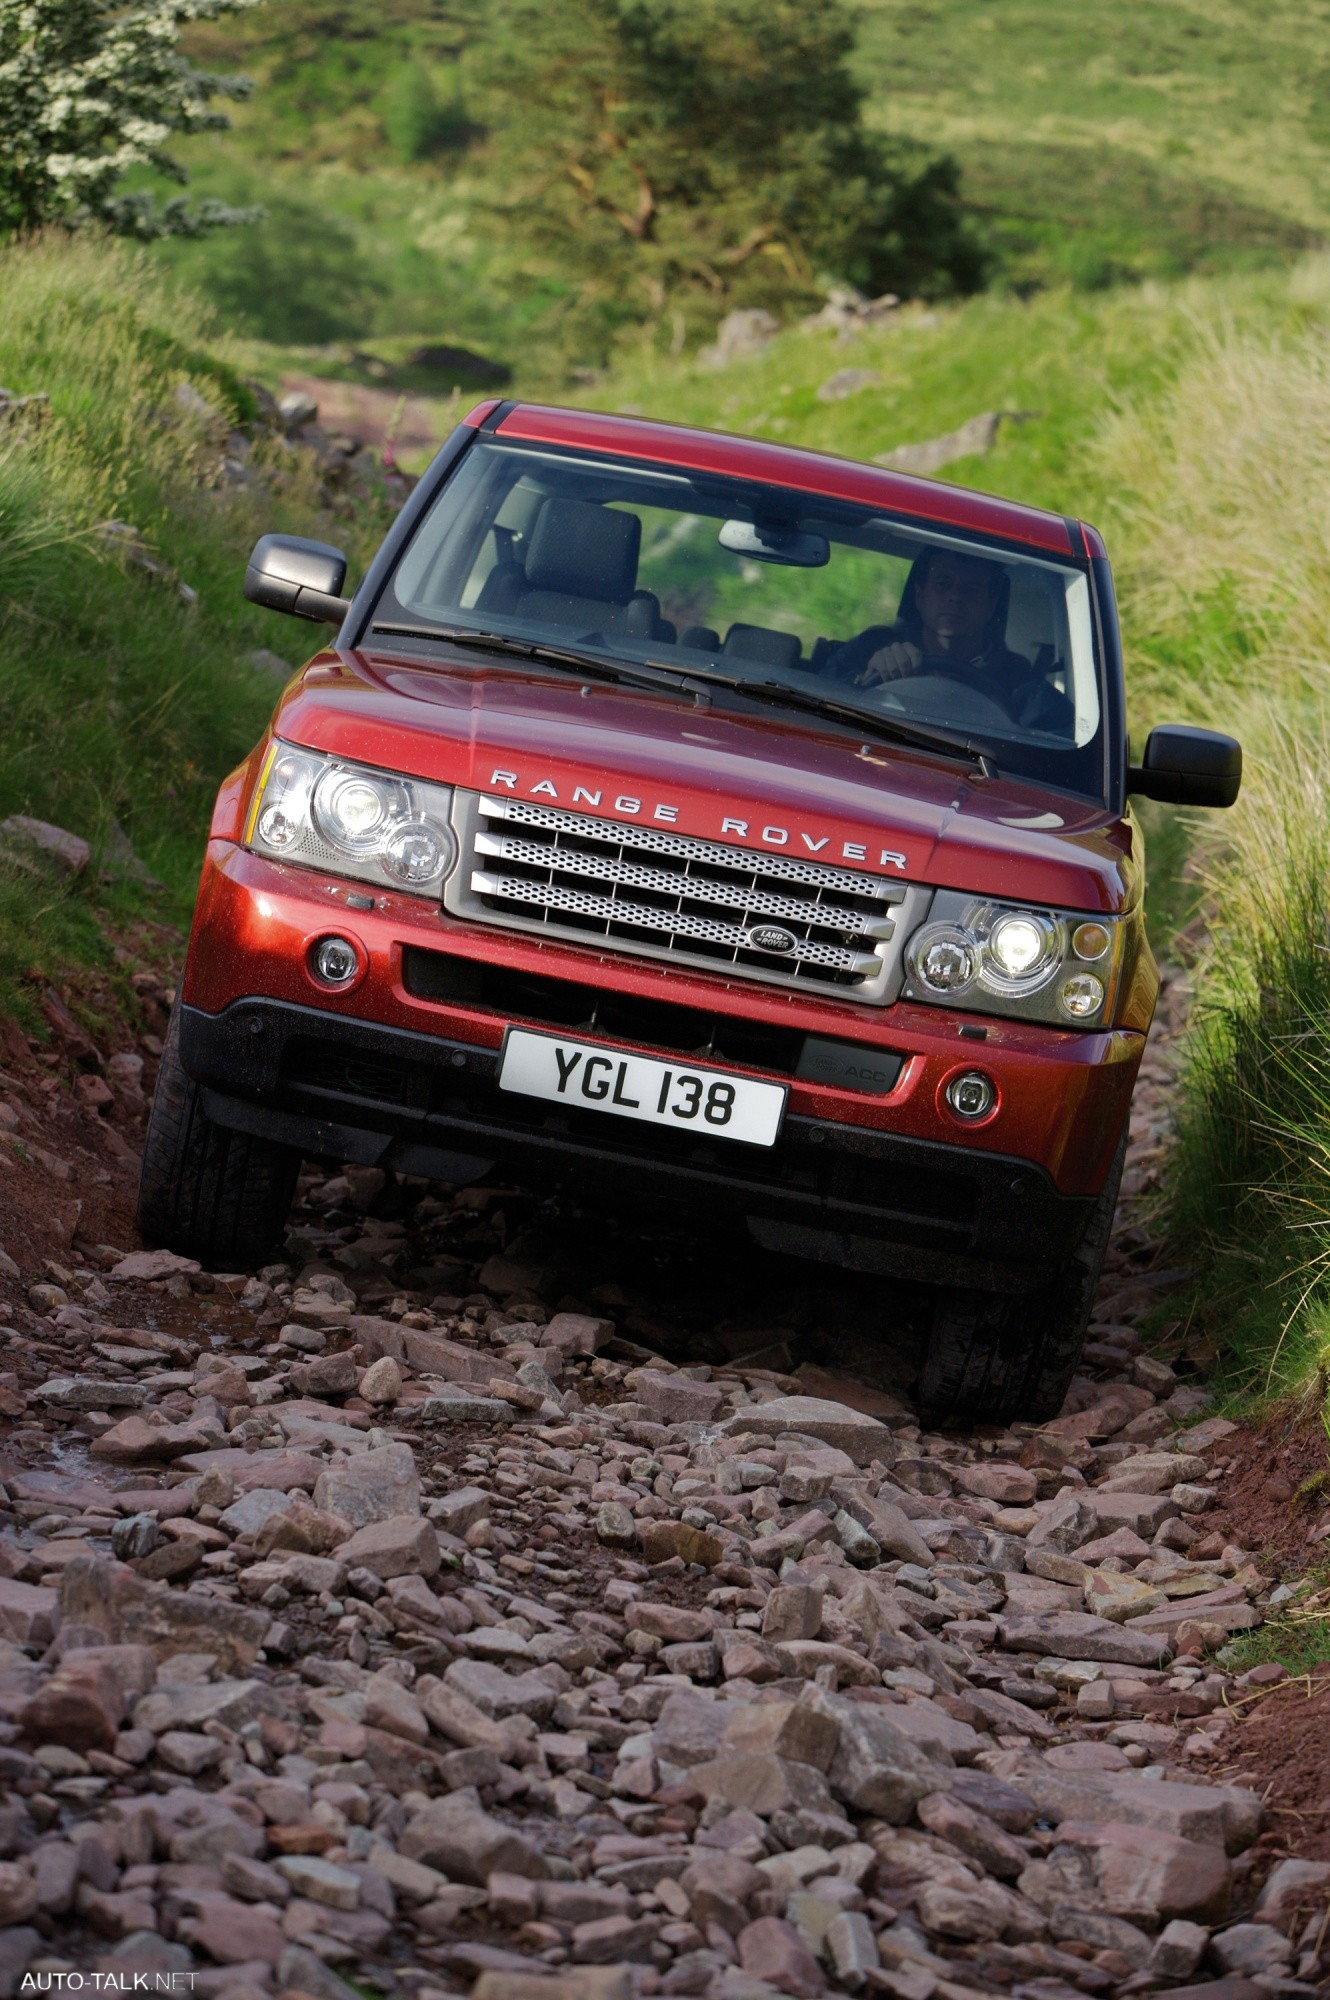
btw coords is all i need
(891, 663)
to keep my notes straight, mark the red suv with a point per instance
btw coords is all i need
(685, 816)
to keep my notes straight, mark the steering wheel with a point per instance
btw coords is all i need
(939, 698)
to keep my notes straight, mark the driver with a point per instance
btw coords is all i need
(952, 621)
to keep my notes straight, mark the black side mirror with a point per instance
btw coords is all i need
(1188, 767)
(288, 573)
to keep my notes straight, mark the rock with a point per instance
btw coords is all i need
(1075, 1635)
(847, 382)
(773, 1951)
(675, 1399)
(891, 1529)
(793, 1730)
(972, 439)
(459, 1510)
(18, 1894)
(110, 1598)
(1143, 1874)
(662, 1540)
(763, 1783)
(19, 834)
(501, 1695)
(876, 1768)
(382, 1381)
(975, 1912)
(147, 1267)
(1293, 1890)
(375, 1486)
(792, 1611)
(859, 1437)
(615, 1526)
(1180, 1946)
(27, 1612)
(690, 1728)
(401, 1546)
(741, 334)
(1065, 1524)
(1153, 1472)
(321, 1881)
(1119, 1598)
(974, 1834)
(191, 1754)
(453, 1835)
(999, 1480)
(85, 1701)
(1251, 1950)
(852, 1949)
(1143, 1513)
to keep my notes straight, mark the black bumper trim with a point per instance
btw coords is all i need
(273, 1069)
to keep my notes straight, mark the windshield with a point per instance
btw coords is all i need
(699, 574)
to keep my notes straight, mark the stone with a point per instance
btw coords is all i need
(876, 1767)
(852, 1949)
(1076, 1635)
(970, 1913)
(1000, 1480)
(974, 1834)
(773, 1951)
(460, 1720)
(576, 1333)
(1153, 1472)
(235, 1932)
(763, 1783)
(1068, 1521)
(459, 1510)
(146, 1267)
(189, 1753)
(321, 1881)
(690, 1729)
(615, 1526)
(254, 1510)
(18, 1894)
(1251, 1950)
(403, 1545)
(792, 1611)
(381, 1382)
(862, 1438)
(890, 1528)
(793, 1730)
(85, 1701)
(375, 1486)
(1143, 1513)
(1144, 1875)
(27, 1612)
(466, 1844)
(1293, 1890)
(501, 1695)
(391, 1707)
(110, 1598)
(1179, 1948)
(675, 1399)
(1119, 1598)
(663, 1540)
(671, 1622)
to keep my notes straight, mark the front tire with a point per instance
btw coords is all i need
(994, 1359)
(205, 1191)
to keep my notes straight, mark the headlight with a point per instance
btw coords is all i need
(348, 820)
(992, 958)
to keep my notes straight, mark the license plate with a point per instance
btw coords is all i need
(679, 1094)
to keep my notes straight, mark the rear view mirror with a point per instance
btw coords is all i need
(771, 541)
(1188, 767)
(288, 573)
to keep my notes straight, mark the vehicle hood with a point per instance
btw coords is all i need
(773, 781)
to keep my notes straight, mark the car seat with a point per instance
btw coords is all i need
(580, 569)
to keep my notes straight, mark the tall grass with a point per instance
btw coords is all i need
(1224, 521)
(121, 699)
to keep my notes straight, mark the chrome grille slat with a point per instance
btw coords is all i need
(620, 886)
(682, 884)
(644, 916)
(715, 853)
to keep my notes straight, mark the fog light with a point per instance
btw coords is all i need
(335, 961)
(1082, 995)
(972, 1094)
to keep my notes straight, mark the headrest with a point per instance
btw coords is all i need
(762, 642)
(582, 550)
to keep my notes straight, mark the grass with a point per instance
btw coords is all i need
(121, 703)
(1295, 1635)
(1150, 140)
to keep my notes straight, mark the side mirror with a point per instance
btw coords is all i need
(288, 573)
(1188, 767)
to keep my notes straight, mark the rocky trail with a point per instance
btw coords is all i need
(488, 1599)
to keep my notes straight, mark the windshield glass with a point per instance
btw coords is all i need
(701, 574)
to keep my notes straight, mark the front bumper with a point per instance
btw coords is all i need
(398, 1070)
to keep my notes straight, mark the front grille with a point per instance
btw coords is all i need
(667, 895)
(625, 1017)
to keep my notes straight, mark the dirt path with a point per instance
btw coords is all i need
(485, 1595)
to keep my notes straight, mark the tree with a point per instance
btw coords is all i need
(702, 153)
(90, 89)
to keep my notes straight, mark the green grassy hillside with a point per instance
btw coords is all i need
(1156, 137)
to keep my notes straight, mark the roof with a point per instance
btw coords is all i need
(785, 465)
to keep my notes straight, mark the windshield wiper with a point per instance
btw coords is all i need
(939, 741)
(696, 681)
(594, 664)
